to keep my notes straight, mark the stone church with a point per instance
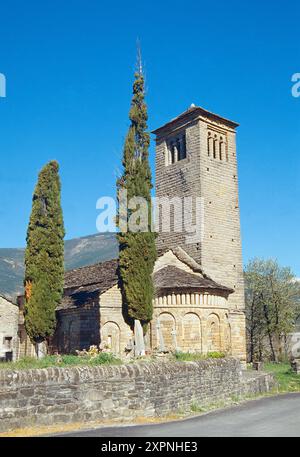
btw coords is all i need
(199, 289)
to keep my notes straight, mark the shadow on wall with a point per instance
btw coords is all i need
(78, 326)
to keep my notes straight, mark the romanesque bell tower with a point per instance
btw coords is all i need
(196, 157)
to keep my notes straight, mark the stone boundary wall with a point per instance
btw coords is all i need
(60, 395)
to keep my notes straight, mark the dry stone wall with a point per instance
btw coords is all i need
(62, 395)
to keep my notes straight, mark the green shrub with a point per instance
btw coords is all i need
(192, 356)
(104, 357)
(216, 355)
(69, 359)
(27, 363)
(195, 408)
(30, 362)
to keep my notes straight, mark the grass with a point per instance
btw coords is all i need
(193, 356)
(27, 363)
(287, 380)
(195, 408)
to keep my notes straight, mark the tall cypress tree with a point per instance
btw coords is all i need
(137, 251)
(44, 256)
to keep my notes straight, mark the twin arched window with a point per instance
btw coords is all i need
(176, 149)
(217, 146)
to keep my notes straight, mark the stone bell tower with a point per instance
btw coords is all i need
(196, 157)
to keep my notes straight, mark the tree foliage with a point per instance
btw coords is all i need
(271, 307)
(137, 250)
(44, 255)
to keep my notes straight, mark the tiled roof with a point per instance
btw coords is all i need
(192, 113)
(84, 285)
(103, 274)
(173, 278)
(79, 298)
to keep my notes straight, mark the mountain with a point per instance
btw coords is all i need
(11, 272)
(79, 252)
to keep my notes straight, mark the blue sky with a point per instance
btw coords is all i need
(69, 68)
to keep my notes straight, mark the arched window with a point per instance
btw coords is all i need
(213, 333)
(176, 149)
(227, 334)
(191, 333)
(165, 330)
(181, 148)
(222, 149)
(215, 148)
(110, 336)
(208, 143)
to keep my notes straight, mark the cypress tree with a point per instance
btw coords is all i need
(44, 256)
(137, 251)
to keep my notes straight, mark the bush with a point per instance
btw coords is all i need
(216, 355)
(69, 359)
(192, 356)
(104, 357)
(27, 363)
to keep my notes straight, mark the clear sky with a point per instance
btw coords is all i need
(69, 68)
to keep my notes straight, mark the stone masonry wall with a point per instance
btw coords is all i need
(61, 395)
(178, 180)
(221, 255)
(77, 329)
(114, 330)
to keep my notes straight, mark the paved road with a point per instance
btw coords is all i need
(272, 416)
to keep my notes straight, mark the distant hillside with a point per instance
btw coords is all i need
(11, 271)
(79, 252)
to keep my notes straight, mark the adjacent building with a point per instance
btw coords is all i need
(9, 320)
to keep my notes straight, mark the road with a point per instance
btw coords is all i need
(268, 417)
